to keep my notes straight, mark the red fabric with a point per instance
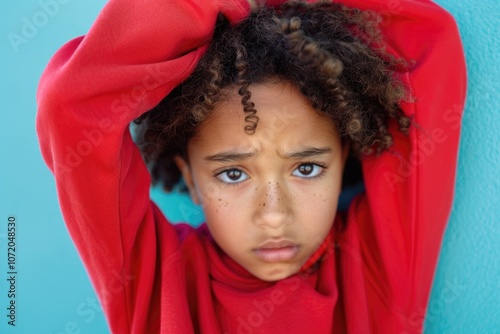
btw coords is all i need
(153, 277)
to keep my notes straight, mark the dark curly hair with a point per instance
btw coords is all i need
(332, 53)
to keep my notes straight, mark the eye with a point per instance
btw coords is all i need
(233, 175)
(308, 170)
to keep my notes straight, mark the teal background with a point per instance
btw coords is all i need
(54, 293)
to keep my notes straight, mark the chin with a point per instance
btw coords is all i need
(275, 274)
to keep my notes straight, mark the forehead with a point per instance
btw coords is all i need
(286, 119)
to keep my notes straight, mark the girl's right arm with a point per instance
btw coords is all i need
(134, 55)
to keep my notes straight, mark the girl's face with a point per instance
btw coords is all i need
(269, 198)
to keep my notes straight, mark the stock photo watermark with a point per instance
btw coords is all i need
(121, 108)
(428, 143)
(11, 270)
(31, 24)
(448, 294)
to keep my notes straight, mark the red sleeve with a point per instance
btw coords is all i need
(135, 53)
(394, 231)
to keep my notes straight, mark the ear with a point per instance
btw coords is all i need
(185, 169)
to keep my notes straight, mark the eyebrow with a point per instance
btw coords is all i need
(235, 156)
(308, 152)
(229, 156)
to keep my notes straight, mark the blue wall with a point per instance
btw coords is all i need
(54, 293)
(465, 296)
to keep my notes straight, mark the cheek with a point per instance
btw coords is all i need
(319, 215)
(322, 198)
(318, 207)
(219, 199)
(224, 214)
(219, 203)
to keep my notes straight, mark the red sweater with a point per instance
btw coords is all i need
(374, 276)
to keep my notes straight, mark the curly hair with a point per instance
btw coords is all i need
(332, 53)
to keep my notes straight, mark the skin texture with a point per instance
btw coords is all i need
(259, 194)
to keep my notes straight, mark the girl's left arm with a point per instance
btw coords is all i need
(394, 232)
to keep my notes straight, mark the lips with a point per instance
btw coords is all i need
(277, 250)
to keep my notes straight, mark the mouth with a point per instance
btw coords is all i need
(276, 251)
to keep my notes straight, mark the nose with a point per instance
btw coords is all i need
(273, 206)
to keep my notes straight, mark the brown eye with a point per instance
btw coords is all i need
(308, 170)
(232, 175)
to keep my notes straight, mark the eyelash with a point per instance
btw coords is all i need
(312, 162)
(226, 184)
(316, 163)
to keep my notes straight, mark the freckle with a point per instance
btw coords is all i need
(220, 199)
(263, 204)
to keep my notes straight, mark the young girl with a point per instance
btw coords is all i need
(258, 111)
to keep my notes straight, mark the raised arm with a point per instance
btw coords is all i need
(134, 55)
(395, 231)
